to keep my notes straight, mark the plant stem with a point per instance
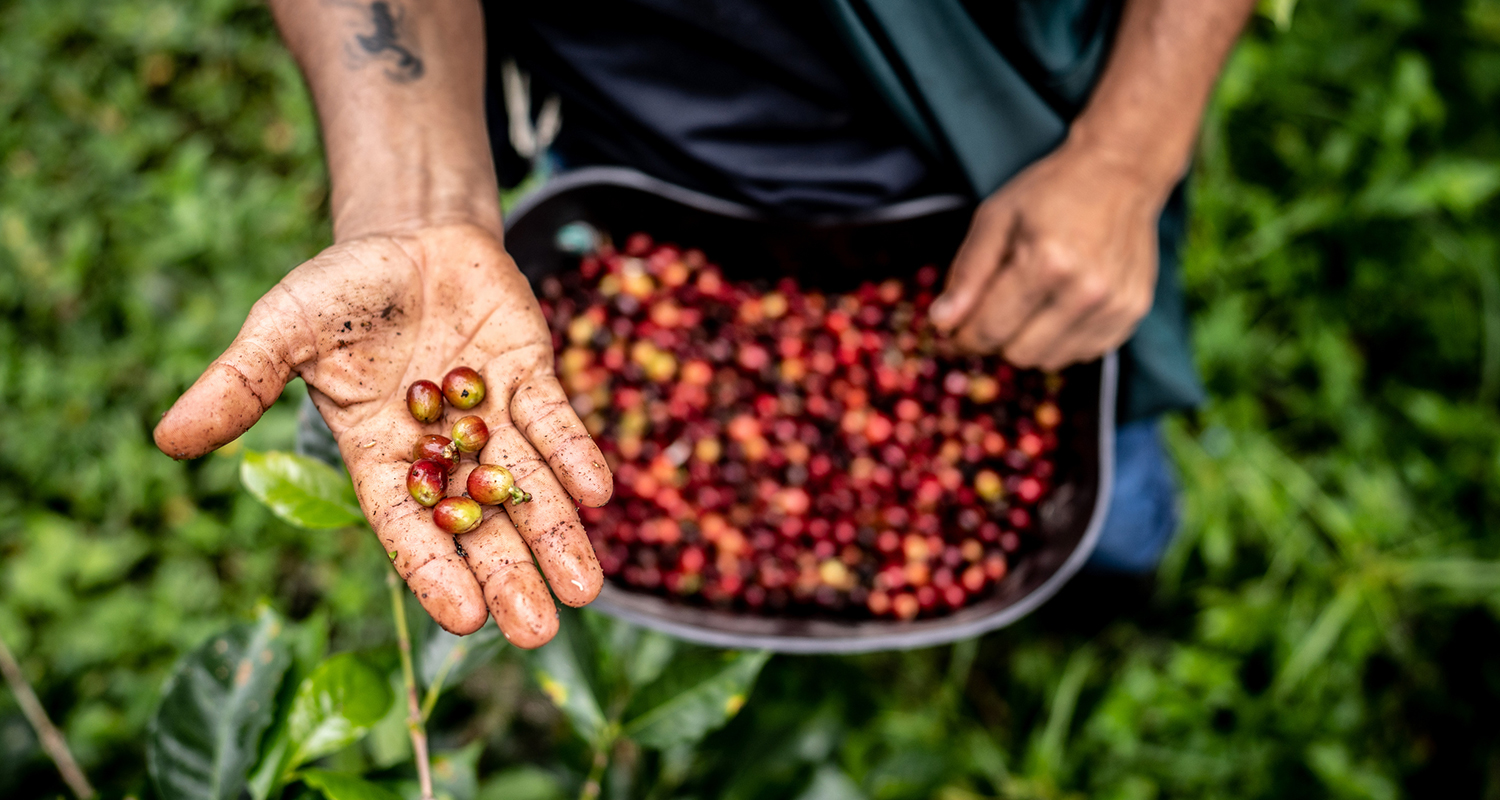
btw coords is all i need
(430, 699)
(591, 786)
(408, 676)
(51, 738)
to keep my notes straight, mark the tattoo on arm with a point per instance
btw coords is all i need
(381, 38)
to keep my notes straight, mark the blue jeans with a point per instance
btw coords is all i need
(1142, 505)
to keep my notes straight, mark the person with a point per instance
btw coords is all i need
(795, 108)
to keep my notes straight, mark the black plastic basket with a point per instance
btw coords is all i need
(844, 252)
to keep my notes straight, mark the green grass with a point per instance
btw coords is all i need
(1325, 626)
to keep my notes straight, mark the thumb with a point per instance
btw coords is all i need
(241, 384)
(978, 258)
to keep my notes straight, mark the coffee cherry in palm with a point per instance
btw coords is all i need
(427, 480)
(438, 448)
(463, 387)
(457, 514)
(425, 401)
(493, 484)
(470, 434)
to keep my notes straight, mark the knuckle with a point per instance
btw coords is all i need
(505, 571)
(526, 468)
(1092, 292)
(1057, 262)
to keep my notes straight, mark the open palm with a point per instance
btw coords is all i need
(362, 321)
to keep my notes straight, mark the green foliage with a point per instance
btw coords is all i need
(303, 491)
(340, 786)
(696, 694)
(204, 737)
(615, 680)
(334, 707)
(1325, 625)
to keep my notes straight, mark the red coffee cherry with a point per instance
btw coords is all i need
(470, 434)
(427, 480)
(463, 387)
(438, 448)
(457, 514)
(493, 484)
(425, 401)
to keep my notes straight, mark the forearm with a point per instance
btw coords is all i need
(1145, 111)
(399, 91)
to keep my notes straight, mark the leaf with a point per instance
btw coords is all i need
(653, 652)
(342, 786)
(335, 706)
(522, 783)
(338, 702)
(455, 774)
(436, 650)
(830, 783)
(693, 696)
(218, 701)
(560, 668)
(389, 741)
(1320, 638)
(301, 490)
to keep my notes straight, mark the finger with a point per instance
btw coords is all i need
(1086, 319)
(424, 555)
(1018, 293)
(242, 383)
(984, 248)
(549, 521)
(1052, 339)
(542, 413)
(513, 588)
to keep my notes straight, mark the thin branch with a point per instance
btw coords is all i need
(592, 785)
(51, 738)
(430, 699)
(408, 676)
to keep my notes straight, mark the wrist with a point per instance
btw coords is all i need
(414, 188)
(1151, 165)
(365, 215)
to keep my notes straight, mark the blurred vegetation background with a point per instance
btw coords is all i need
(1326, 625)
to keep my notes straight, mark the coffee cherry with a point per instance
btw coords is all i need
(427, 481)
(425, 401)
(470, 434)
(463, 387)
(492, 484)
(438, 448)
(457, 514)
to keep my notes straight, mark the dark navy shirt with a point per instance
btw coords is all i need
(757, 101)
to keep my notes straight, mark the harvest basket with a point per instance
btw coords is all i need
(834, 255)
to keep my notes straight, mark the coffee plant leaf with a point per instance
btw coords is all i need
(562, 669)
(652, 653)
(693, 695)
(436, 652)
(303, 491)
(215, 706)
(524, 782)
(335, 706)
(343, 786)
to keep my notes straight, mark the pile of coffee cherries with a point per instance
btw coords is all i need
(435, 457)
(782, 451)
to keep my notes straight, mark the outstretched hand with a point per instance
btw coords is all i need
(362, 321)
(1058, 266)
